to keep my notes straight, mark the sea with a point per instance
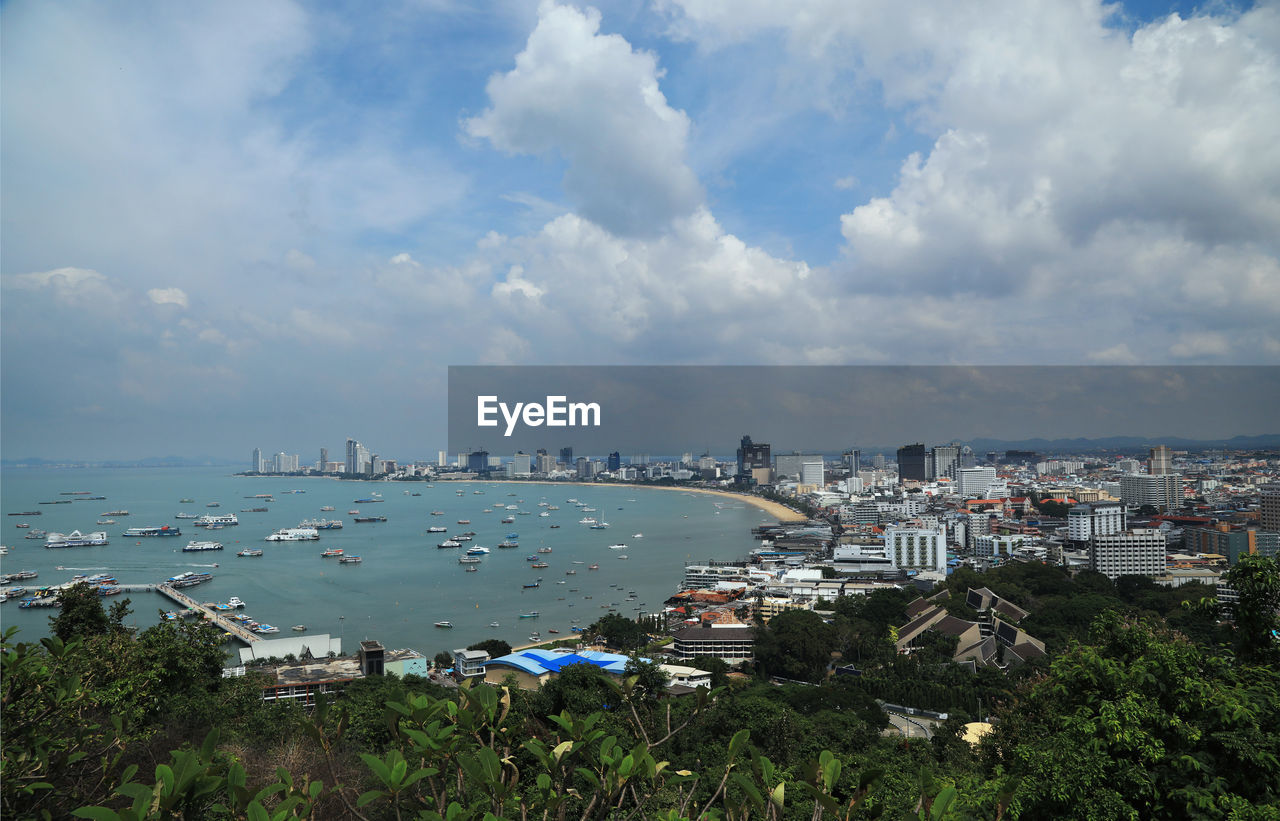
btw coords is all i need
(405, 583)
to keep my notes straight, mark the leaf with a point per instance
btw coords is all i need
(735, 743)
(97, 813)
(778, 796)
(941, 802)
(371, 795)
(256, 812)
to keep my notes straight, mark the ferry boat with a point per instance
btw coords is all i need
(468, 560)
(449, 543)
(163, 530)
(217, 520)
(331, 553)
(326, 508)
(185, 515)
(533, 614)
(188, 579)
(447, 625)
(462, 537)
(477, 551)
(322, 524)
(437, 529)
(508, 544)
(199, 547)
(36, 534)
(617, 547)
(350, 560)
(437, 513)
(294, 534)
(77, 539)
(369, 519)
(250, 551)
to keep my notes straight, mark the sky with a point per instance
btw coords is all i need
(266, 224)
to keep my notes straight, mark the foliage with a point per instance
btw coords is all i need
(496, 648)
(619, 632)
(796, 645)
(80, 613)
(1256, 580)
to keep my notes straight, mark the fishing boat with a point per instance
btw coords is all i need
(448, 625)
(250, 551)
(464, 521)
(369, 519)
(437, 529)
(326, 508)
(534, 584)
(299, 628)
(539, 565)
(468, 560)
(508, 544)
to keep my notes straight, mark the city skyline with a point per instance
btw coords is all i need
(244, 222)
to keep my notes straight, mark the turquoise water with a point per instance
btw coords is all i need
(405, 583)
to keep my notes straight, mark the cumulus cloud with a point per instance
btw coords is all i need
(1071, 161)
(595, 101)
(168, 296)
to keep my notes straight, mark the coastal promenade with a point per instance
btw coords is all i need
(247, 636)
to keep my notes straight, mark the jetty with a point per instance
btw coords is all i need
(229, 625)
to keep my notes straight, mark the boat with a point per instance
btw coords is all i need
(331, 553)
(353, 513)
(200, 547)
(622, 555)
(369, 519)
(265, 629)
(32, 513)
(185, 515)
(553, 507)
(494, 624)
(533, 614)
(213, 504)
(294, 534)
(36, 534)
(108, 513)
(299, 628)
(571, 572)
(593, 567)
(506, 520)
(77, 539)
(617, 547)
(552, 630)
(437, 513)
(376, 497)
(449, 543)
(250, 551)
(350, 560)
(637, 535)
(532, 557)
(163, 530)
(599, 525)
(468, 560)
(534, 584)
(544, 550)
(188, 579)
(544, 514)
(586, 520)
(22, 525)
(253, 510)
(508, 544)
(477, 551)
(448, 625)
(471, 568)
(539, 564)
(553, 527)
(326, 508)
(322, 524)
(462, 537)
(464, 521)
(234, 602)
(437, 529)
(217, 520)
(185, 501)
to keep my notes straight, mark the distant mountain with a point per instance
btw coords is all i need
(1124, 443)
(147, 462)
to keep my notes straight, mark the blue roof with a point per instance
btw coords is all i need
(538, 662)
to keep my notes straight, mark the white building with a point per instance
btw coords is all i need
(973, 482)
(912, 548)
(995, 547)
(1089, 520)
(1163, 491)
(811, 472)
(521, 465)
(1137, 552)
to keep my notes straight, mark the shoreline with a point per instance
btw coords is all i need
(782, 512)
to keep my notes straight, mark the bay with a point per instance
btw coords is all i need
(405, 583)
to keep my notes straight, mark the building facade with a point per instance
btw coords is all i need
(1136, 552)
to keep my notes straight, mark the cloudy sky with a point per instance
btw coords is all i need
(229, 225)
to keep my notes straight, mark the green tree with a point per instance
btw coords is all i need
(1256, 581)
(797, 644)
(620, 632)
(496, 648)
(80, 613)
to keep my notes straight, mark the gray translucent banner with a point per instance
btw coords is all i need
(665, 411)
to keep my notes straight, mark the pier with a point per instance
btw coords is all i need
(232, 627)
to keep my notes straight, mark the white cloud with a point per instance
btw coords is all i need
(168, 296)
(595, 101)
(1200, 345)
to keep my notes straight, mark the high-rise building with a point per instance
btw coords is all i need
(1269, 507)
(913, 463)
(1160, 461)
(811, 472)
(1096, 519)
(582, 467)
(442, 458)
(973, 482)
(615, 462)
(359, 459)
(791, 465)
(945, 460)
(752, 455)
(851, 461)
(911, 548)
(546, 463)
(877, 461)
(521, 464)
(1137, 552)
(257, 461)
(566, 456)
(478, 461)
(1021, 457)
(1163, 491)
(324, 460)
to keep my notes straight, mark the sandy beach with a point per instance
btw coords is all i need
(782, 512)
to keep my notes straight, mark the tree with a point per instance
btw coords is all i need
(797, 644)
(1256, 581)
(619, 632)
(80, 613)
(444, 659)
(496, 648)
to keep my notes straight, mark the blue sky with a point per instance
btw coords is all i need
(275, 225)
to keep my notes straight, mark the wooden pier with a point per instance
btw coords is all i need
(232, 627)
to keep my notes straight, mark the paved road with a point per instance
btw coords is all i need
(901, 725)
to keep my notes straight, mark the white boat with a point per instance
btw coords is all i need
(294, 534)
(299, 628)
(437, 529)
(77, 539)
(477, 551)
(223, 520)
(445, 624)
(234, 601)
(637, 535)
(199, 547)
(449, 543)
(617, 547)
(586, 520)
(468, 560)
(494, 624)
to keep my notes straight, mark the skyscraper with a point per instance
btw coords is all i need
(912, 463)
(752, 455)
(1160, 461)
(945, 460)
(615, 462)
(359, 460)
(566, 456)
(257, 461)
(1269, 508)
(324, 460)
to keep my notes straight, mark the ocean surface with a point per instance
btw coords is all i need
(405, 583)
